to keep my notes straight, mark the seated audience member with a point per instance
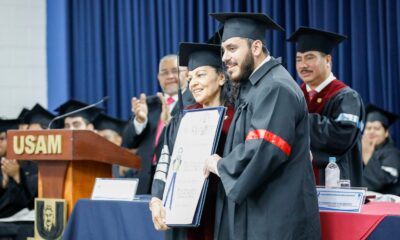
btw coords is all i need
(23, 125)
(111, 129)
(20, 177)
(20, 180)
(381, 157)
(5, 125)
(209, 88)
(81, 120)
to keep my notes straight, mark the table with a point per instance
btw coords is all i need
(376, 221)
(97, 219)
(94, 219)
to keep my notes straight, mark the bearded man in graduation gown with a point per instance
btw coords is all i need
(336, 111)
(267, 188)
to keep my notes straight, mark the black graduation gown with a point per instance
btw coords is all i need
(268, 189)
(381, 174)
(205, 230)
(336, 132)
(18, 196)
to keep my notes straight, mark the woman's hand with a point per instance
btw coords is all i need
(158, 214)
(368, 148)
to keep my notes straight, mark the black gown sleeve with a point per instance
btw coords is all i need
(335, 134)
(382, 169)
(130, 138)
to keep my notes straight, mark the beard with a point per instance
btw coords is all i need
(246, 69)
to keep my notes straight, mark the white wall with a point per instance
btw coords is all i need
(23, 74)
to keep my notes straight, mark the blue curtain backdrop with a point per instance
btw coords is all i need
(113, 46)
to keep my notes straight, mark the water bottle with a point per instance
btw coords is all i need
(332, 173)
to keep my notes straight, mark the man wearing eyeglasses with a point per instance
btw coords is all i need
(144, 130)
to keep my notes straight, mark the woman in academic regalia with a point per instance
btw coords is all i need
(381, 157)
(210, 88)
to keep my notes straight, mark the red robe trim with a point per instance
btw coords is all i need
(319, 100)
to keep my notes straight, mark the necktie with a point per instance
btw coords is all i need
(170, 100)
(312, 94)
(160, 127)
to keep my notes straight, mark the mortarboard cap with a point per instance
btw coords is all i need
(22, 115)
(375, 113)
(312, 39)
(7, 124)
(39, 115)
(72, 105)
(216, 38)
(194, 55)
(105, 122)
(245, 25)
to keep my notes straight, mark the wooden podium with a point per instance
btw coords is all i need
(69, 161)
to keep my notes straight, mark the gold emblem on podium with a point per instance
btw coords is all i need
(50, 218)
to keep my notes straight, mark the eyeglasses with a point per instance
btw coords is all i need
(164, 73)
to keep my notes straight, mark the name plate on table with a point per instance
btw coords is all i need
(340, 199)
(121, 189)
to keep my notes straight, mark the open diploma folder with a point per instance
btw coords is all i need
(185, 189)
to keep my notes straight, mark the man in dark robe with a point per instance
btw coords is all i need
(336, 111)
(380, 155)
(267, 186)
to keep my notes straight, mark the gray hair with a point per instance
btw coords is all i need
(167, 57)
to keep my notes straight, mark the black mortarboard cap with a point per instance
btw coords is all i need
(103, 122)
(375, 113)
(194, 55)
(72, 105)
(7, 124)
(22, 115)
(245, 25)
(39, 115)
(216, 38)
(312, 39)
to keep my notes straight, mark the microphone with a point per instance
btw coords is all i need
(77, 110)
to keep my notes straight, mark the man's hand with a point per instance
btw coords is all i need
(140, 108)
(210, 165)
(158, 214)
(165, 114)
(368, 148)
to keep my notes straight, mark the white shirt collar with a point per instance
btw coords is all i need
(262, 63)
(325, 83)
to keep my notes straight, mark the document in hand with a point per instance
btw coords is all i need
(186, 187)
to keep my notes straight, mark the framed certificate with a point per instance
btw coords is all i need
(186, 187)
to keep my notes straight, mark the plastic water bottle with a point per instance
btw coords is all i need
(332, 173)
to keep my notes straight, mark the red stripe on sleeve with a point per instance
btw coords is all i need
(271, 138)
